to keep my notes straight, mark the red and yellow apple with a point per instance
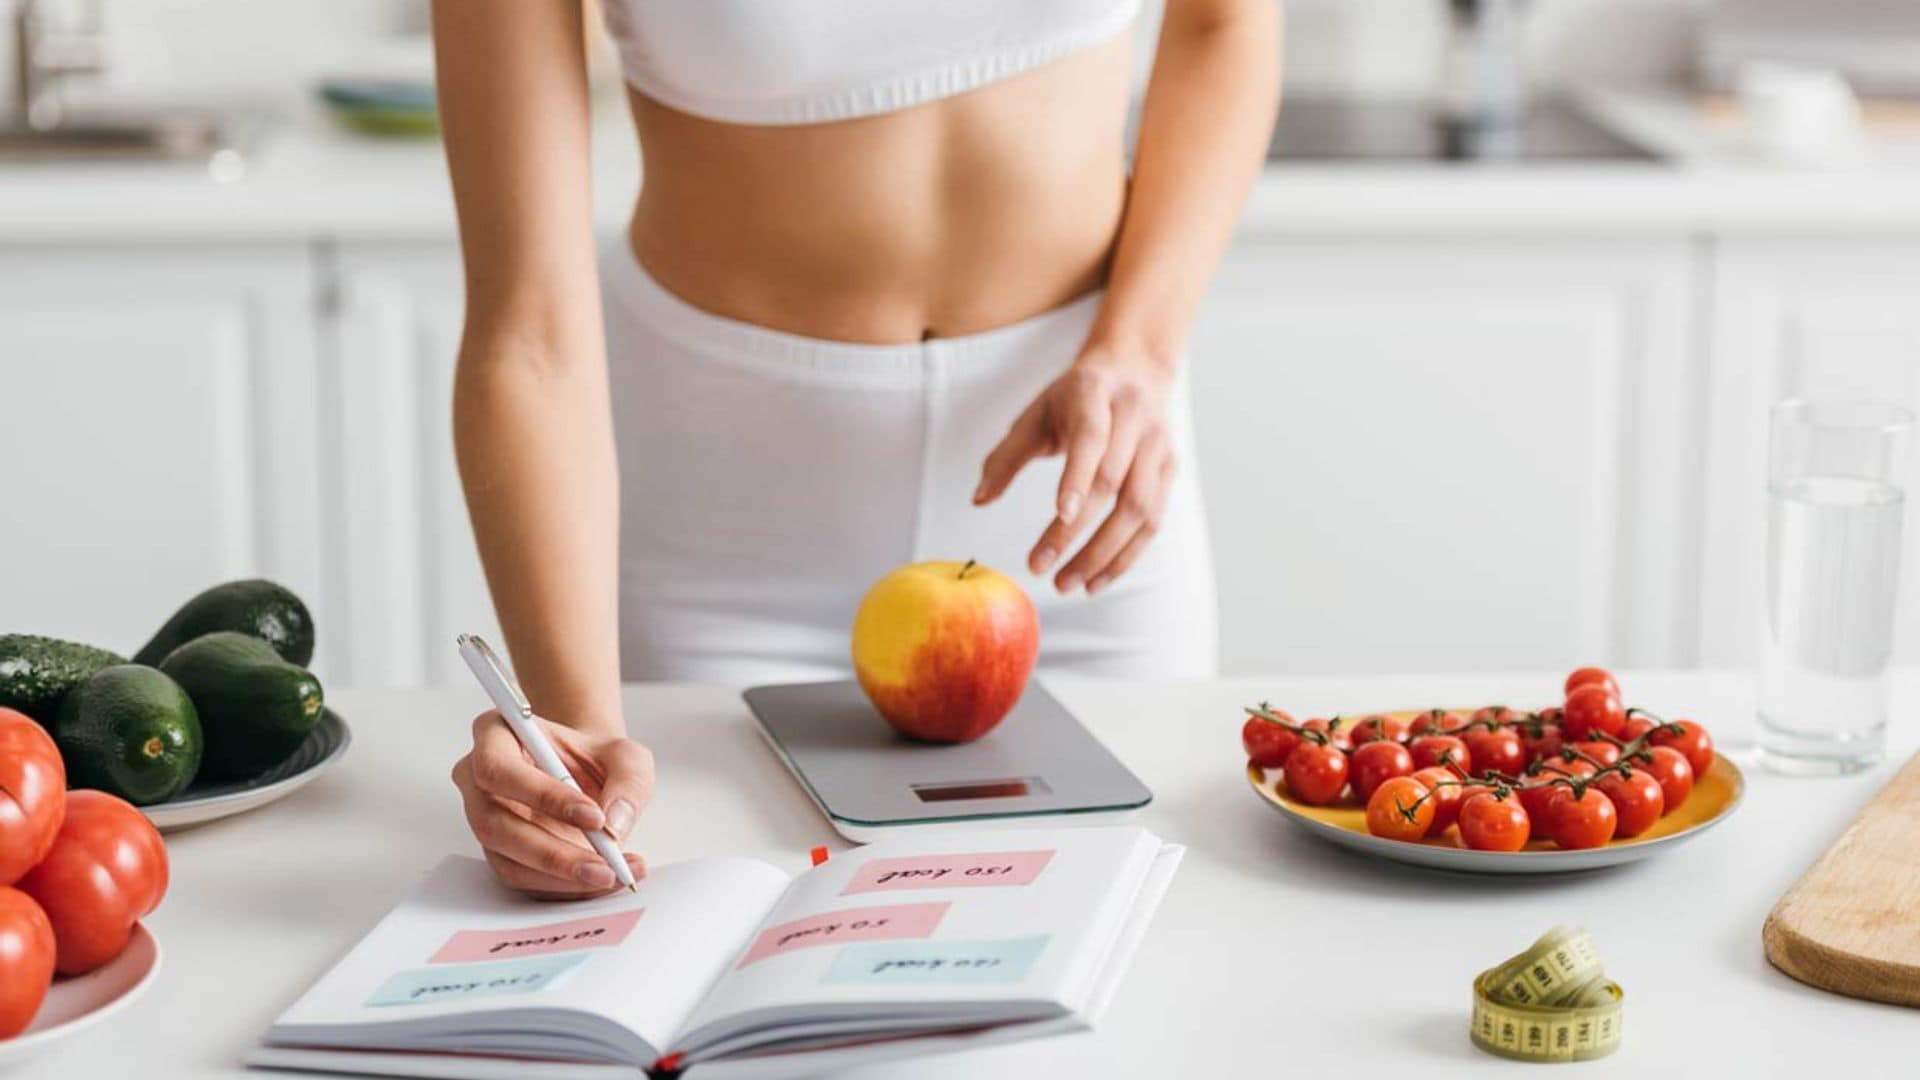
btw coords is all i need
(943, 649)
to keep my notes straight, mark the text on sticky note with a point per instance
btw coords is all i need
(965, 870)
(1005, 961)
(453, 982)
(593, 932)
(849, 924)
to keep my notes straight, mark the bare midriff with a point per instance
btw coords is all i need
(948, 218)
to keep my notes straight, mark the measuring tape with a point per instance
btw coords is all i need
(1552, 1002)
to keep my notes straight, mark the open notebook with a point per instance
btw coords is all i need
(730, 967)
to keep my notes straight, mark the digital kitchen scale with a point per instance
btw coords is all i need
(1039, 765)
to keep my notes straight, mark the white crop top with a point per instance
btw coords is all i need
(810, 61)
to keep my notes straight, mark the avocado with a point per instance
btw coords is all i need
(262, 608)
(131, 731)
(36, 672)
(255, 708)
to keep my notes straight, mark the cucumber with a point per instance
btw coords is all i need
(131, 731)
(255, 708)
(268, 611)
(37, 672)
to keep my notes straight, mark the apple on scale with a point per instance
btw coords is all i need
(943, 649)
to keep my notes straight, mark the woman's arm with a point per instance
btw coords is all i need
(533, 433)
(1204, 129)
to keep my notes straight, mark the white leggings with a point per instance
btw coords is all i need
(767, 479)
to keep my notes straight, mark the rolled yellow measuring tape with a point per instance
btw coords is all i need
(1552, 1002)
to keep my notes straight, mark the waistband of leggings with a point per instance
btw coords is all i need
(630, 289)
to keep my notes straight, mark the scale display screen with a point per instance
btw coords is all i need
(954, 791)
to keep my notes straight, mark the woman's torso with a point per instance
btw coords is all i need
(943, 218)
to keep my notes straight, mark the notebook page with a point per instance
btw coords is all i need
(462, 944)
(907, 926)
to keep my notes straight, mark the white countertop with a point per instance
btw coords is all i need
(1273, 951)
(309, 179)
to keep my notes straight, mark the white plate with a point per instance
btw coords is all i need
(325, 746)
(75, 1004)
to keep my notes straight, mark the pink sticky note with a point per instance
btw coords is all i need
(593, 932)
(962, 871)
(848, 924)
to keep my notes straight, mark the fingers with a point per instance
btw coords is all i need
(501, 769)
(1124, 432)
(542, 886)
(1089, 422)
(525, 854)
(1024, 441)
(628, 786)
(1130, 527)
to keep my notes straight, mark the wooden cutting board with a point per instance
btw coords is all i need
(1852, 923)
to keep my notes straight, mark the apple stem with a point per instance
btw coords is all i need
(963, 570)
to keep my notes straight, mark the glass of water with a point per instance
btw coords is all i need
(1835, 498)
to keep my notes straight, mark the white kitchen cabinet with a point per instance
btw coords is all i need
(157, 429)
(1795, 317)
(1449, 454)
(404, 567)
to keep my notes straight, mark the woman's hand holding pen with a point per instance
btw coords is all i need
(530, 824)
(1108, 414)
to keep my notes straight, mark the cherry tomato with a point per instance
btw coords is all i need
(1375, 763)
(1399, 809)
(107, 868)
(26, 960)
(1491, 823)
(1437, 721)
(1541, 741)
(1635, 727)
(1429, 750)
(33, 794)
(1498, 714)
(1552, 714)
(1316, 773)
(1674, 773)
(1540, 787)
(1579, 821)
(1336, 731)
(1636, 797)
(1591, 676)
(1498, 749)
(1447, 795)
(1593, 709)
(1373, 728)
(1691, 740)
(1266, 742)
(1605, 753)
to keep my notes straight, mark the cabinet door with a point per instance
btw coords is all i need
(1447, 455)
(1795, 317)
(158, 433)
(409, 576)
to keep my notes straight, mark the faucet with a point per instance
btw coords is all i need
(43, 52)
(1485, 81)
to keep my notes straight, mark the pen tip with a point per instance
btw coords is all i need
(633, 887)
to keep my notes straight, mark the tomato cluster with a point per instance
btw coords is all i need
(77, 870)
(1578, 774)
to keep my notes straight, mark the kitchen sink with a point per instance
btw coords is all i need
(184, 135)
(1386, 131)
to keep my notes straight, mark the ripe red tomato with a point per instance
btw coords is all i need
(1673, 772)
(1498, 714)
(1375, 763)
(1429, 750)
(1498, 749)
(1436, 721)
(1542, 740)
(1636, 797)
(33, 794)
(1336, 731)
(1580, 821)
(107, 868)
(1316, 774)
(26, 960)
(1605, 753)
(1552, 714)
(1267, 743)
(1691, 740)
(1377, 727)
(1591, 676)
(1540, 788)
(1592, 708)
(1635, 727)
(1399, 809)
(1447, 795)
(1491, 823)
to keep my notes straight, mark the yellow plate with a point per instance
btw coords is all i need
(1714, 796)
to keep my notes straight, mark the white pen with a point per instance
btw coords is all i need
(519, 716)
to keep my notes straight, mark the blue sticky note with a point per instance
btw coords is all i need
(1004, 961)
(455, 982)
